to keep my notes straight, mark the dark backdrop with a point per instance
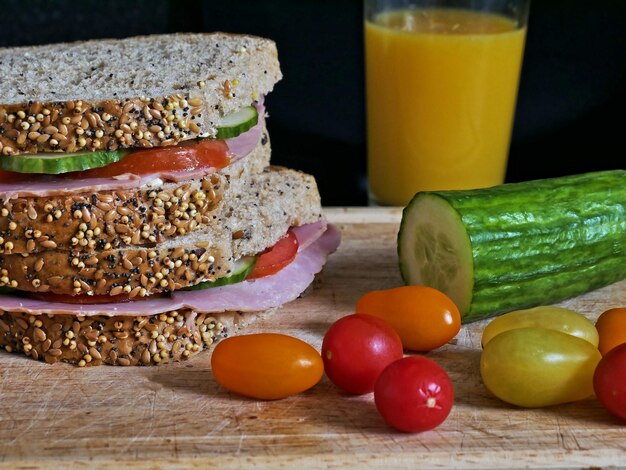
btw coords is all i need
(570, 115)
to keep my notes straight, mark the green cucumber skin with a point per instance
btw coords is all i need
(63, 163)
(543, 241)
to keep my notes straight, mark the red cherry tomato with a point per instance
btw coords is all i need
(356, 349)
(266, 366)
(609, 381)
(414, 394)
(425, 318)
(276, 258)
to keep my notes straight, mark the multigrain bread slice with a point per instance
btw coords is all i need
(254, 217)
(179, 87)
(122, 341)
(105, 220)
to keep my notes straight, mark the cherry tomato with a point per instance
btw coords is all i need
(609, 381)
(425, 318)
(356, 349)
(552, 318)
(414, 394)
(534, 367)
(266, 366)
(611, 326)
(276, 258)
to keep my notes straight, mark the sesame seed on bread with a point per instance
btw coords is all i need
(125, 93)
(254, 214)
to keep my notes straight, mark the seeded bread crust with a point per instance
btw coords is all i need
(254, 218)
(138, 92)
(123, 341)
(113, 219)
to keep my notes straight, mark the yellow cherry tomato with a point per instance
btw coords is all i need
(553, 318)
(266, 366)
(534, 367)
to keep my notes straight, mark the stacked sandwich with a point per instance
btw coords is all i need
(140, 220)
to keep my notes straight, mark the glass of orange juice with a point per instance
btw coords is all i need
(441, 80)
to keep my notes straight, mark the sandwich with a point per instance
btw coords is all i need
(140, 218)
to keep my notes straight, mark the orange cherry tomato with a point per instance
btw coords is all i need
(611, 326)
(266, 366)
(186, 156)
(423, 317)
(276, 258)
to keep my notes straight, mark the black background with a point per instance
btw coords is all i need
(571, 107)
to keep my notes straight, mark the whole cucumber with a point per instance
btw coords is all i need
(517, 245)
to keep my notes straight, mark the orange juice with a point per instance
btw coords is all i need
(441, 92)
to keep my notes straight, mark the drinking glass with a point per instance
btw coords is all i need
(441, 80)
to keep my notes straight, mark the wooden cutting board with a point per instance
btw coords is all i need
(176, 416)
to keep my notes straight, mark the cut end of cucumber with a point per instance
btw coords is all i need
(434, 249)
(242, 268)
(237, 123)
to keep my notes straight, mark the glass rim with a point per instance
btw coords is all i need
(517, 10)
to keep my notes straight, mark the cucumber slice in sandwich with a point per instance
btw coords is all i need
(237, 123)
(57, 163)
(243, 267)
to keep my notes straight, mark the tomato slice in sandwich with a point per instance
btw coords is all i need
(276, 258)
(186, 156)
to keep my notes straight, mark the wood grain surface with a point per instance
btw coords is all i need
(176, 416)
